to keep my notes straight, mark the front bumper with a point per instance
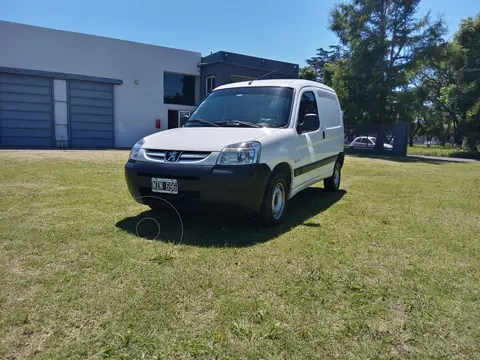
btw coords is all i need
(200, 186)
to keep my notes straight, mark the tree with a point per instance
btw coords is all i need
(437, 82)
(323, 60)
(307, 73)
(449, 82)
(381, 43)
(468, 38)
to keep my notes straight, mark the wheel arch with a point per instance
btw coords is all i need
(286, 169)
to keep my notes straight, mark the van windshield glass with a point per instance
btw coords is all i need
(244, 107)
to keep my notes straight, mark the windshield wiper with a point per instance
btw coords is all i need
(238, 122)
(203, 122)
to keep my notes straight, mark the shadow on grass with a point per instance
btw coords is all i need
(458, 155)
(402, 159)
(466, 155)
(221, 230)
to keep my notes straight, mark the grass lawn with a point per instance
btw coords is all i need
(437, 150)
(388, 268)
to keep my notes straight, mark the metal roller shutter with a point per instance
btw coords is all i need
(90, 114)
(26, 111)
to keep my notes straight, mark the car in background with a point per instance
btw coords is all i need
(367, 142)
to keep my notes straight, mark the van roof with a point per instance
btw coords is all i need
(295, 84)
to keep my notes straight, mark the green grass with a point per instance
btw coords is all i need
(388, 268)
(446, 151)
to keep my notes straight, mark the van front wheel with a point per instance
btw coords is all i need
(332, 183)
(275, 200)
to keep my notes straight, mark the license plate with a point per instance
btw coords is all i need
(167, 186)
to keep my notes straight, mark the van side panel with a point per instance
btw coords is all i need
(283, 146)
(332, 121)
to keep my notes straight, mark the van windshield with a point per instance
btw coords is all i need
(267, 106)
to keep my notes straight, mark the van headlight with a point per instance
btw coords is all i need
(240, 154)
(136, 149)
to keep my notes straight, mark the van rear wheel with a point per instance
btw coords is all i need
(275, 200)
(332, 183)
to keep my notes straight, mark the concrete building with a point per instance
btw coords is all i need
(64, 89)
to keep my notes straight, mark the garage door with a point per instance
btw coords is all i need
(26, 111)
(90, 114)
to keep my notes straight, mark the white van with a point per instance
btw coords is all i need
(249, 146)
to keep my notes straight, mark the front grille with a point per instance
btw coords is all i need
(155, 154)
(185, 156)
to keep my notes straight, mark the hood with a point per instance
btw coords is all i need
(203, 138)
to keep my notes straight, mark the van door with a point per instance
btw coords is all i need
(331, 124)
(308, 145)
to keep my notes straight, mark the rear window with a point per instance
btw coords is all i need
(329, 110)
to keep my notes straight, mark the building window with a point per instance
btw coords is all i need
(209, 84)
(178, 89)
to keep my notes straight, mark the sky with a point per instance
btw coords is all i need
(286, 30)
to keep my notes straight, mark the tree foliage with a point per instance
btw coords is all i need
(392, 65)
(468, 39)
(308, 73)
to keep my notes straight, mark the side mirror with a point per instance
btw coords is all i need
(311, 122)
(183, 120)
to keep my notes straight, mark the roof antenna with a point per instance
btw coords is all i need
(271, 72)
(292, 70)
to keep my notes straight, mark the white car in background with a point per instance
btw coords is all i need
(367, 142)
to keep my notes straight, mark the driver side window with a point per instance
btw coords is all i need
(308, 105)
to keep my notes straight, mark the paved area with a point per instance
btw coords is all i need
(443, 158)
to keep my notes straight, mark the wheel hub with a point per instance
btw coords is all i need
(278, 200)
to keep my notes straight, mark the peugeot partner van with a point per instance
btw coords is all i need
(249, 146)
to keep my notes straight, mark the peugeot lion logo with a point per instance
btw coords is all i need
(172, 156)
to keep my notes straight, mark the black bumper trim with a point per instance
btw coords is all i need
(239, 187)
(315, 165)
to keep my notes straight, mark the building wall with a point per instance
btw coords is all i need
(224, 64)
(251, 61)
(137, 106)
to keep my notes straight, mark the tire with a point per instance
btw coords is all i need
(332, 183)
(275, 199)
